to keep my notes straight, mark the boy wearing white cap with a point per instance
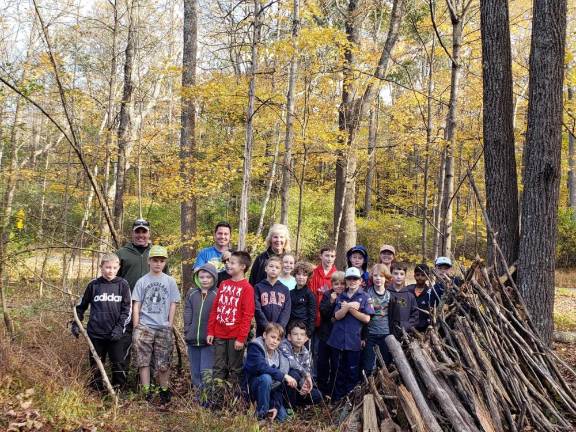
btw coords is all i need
(443, 266)
(351, 312)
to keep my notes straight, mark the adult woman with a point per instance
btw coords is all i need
(277, 243)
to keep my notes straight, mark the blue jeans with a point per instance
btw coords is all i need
(267, 397)
(347, 366)
(201, 360)
(369, 356)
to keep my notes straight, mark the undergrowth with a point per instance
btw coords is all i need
(43, 386)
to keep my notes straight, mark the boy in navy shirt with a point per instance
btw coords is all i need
(272, 298)
(351, 313)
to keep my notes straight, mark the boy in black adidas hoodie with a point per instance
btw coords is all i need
(110, 311)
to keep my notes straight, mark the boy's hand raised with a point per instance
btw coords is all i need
(333, 297)
(238, 346)
(209, 339)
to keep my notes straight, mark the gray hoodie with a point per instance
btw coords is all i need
(299, 361)
(197, 309)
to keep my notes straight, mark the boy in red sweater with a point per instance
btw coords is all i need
(320, 281)
(230, 318)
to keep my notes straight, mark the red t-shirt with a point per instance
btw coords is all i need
(319, 283)
(232, 311)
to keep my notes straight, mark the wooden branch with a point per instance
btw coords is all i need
(96, 357)
(369, 419)
(410, 381)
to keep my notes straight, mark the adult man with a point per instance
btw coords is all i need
(213, 254)
(134, 255)
(133, 265)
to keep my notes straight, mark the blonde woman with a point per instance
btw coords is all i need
(277, 244)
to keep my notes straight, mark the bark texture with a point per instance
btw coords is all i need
(188, 140)
(499, 159)
(542, 152)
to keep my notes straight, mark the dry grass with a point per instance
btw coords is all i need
(566, 278)
(43, 379)
(565, 309)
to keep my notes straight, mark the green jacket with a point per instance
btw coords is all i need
(133, 264)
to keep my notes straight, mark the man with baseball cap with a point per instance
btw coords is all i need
(133, 265)
(134, 255)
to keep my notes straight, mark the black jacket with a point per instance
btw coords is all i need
(402, 311)
(326, 316)
(428, 299)
(258, 273)
(134, 264)
(110, 306)
(303, 307)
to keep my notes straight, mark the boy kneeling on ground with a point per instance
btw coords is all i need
(265, 370)
(294, 349)
(155, 297)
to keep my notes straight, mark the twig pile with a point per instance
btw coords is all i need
(480, 367)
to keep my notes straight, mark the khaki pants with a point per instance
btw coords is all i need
(227, 361)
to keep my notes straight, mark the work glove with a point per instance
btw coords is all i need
(117, 333)
(74, 329)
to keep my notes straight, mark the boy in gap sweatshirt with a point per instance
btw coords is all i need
(272, 298)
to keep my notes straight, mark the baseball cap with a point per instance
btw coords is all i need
(443, 261)
(389, 248)
(141, 223)
(157, 251)
(352, 273)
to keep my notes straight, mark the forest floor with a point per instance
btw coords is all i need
(43, 384)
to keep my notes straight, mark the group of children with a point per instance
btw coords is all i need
(299, 335)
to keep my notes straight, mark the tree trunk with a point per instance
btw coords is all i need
(188, 140)
(301, 199)
(542, 152)
(429, 128)
(110, 122)
(451, 125)
(571, 158)
(249, 143)
(344, 200)
(271, 179)
(125, 119)
(290, 107)
(372, 134)
(499, 158)
(350, 115)
(439, 205)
